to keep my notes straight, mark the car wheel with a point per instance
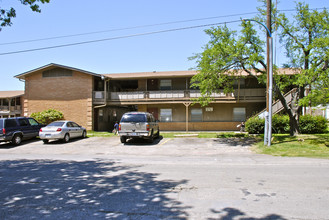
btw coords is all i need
(45, 141)
(123, 139)
(84, 134)
(66, 138)
(17, 139)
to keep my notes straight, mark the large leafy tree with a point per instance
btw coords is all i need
(306, 40)
(6, 15)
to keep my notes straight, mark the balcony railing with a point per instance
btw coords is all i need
(184, 95)
(17, 109)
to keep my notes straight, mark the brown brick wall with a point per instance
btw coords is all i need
(199, 126)
(71, 95)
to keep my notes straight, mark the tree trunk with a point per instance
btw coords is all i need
(292, 111)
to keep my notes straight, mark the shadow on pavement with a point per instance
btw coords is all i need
(9, 145)
(137, 141)
(43, 189)
(232, 213)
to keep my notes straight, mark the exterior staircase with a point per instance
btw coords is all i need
(277, 105)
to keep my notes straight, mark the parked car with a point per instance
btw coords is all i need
(62, 130)
(138, 125)
(16, 129)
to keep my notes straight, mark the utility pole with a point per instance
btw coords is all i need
(269, 71)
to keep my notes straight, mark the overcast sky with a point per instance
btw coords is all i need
(112, 21)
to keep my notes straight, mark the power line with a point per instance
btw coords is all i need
(126, 28)
(115, 38)
(136, 27)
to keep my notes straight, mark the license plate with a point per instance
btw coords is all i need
(133, 134)
(48, 135)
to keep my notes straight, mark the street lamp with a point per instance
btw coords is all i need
(268, 113)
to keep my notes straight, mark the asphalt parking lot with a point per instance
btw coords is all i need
(180, 178)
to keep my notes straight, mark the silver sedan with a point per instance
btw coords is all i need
(62, 130)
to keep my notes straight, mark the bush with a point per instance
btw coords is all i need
(280, 124)
(47, 116)
(308, 124)
(255, 125)
(313, 124)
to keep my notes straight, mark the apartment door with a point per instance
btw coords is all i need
(152, 84)
(154, 112)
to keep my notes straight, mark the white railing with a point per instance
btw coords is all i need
(197, 94)
(127, 95)
(99, 96)
(166, 94)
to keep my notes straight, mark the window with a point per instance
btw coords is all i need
(57, 72)
(239, 114)
(33, 122)
(135, 117)
(5, 102)
(75, 124)
(196, 114)
(10, 123)
(56, 124)
(69, 125)
(165, 84)
(166, 115)
(23, 122)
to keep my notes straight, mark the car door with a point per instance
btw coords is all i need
(35, 126)
(25, 128)
(78, 129)
(71, 129)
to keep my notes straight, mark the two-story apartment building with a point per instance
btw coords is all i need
(11, 103)
(96, 101)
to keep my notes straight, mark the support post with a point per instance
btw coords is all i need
(187, 104)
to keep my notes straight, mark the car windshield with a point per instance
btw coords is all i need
(56, 124)
(133, 118)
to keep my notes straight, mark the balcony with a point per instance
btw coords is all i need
(174, 95)
(12, 110)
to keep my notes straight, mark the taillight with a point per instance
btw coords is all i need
(147, 127)
(40, 129)
(3, 131)
(119, 127)
(59, 129)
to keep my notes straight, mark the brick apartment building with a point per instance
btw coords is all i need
(96, 101)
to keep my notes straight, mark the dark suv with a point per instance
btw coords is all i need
(17, 129)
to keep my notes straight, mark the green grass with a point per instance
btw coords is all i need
(314, 146)
(203, 134)
(99, 134)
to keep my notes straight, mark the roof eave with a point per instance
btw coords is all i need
(22, 75)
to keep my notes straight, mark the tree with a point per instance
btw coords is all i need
(306, 41)
(6, 15)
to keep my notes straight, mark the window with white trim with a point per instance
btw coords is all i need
(165, 84)
(196, 114)
(239, 114)
(166, 115)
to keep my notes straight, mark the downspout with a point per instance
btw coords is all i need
(105, 93)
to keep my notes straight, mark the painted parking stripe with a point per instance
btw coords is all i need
(165, 142)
